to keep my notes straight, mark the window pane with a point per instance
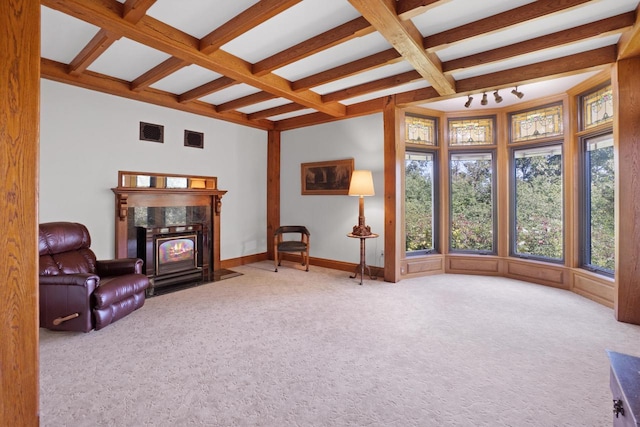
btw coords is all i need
(418, 202)
(420, 130)
(472, 227)
(538, 202)
(476, 131)
(600, 184)
(597, 107)
(536, 124)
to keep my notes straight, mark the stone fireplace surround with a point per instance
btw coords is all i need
(145, 199)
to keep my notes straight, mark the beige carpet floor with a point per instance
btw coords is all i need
(298, 348)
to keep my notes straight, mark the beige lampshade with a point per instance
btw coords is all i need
(361, 183)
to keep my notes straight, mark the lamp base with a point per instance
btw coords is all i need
(361, 230)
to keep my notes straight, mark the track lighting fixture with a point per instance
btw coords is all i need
(484, 99)
(468, 103)
(517, 93)
(497, 97)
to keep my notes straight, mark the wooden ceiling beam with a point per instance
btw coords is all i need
(275, 111)
(243, 22)
(96, 47)
(244, 101)
(606, 26)
(157, 73)
(157, 35)
(380, 84)
(358, 27)
(500, 21)
(56, 71)
(355, 28)
(407, 40)
(133, 11)
(207, 89)
(407, 9)
(629, 43)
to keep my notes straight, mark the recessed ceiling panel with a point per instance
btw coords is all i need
(264, 105)
(367, 76)
(127, 60)
(454, 13)
(293, 114)
(230, 93)
(419, 84)
(186, 79)
(343, 53)
(590, 12)
(540, 56)
(197, 17)
(296, 24)
(63, 36)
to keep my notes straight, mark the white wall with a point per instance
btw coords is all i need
(86, 137)
(330, 218)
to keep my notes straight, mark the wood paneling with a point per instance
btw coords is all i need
(596, 288)
(627, 156)
(19, 133)
(532, 271)
(431, 264)
(472, 264)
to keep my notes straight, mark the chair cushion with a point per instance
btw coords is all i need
(292, 246)
(115, 289)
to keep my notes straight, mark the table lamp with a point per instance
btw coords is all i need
(361, 185)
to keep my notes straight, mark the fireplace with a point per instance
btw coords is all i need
(180, 215)
(172, 255)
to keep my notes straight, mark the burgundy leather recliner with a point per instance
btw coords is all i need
(78, 292)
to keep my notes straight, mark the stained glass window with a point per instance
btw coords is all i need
(535, 124)
(419, 130)
(597, 107)
(475, 131)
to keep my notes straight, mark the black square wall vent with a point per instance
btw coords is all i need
(193, 139)
(151, 132)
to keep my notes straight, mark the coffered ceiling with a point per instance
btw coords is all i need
(282, 64)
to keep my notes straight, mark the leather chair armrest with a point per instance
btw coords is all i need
(119, 267)
(87, 280)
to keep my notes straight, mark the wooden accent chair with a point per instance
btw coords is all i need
(300, 246)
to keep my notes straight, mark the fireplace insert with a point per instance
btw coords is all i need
(171, 255)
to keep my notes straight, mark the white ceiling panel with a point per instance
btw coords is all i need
(368, 76)
(296, 24)
(294, 114)
(230, 93)
(420, 84)
(264, 105)
(455, 13)
(63, 36)
(197, 17)
(185, 79)
(352, 50)
(127, 60)
(539, 56)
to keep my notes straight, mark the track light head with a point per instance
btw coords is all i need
(497, 97)
(468, 103)
(484, 101)
(517, 93)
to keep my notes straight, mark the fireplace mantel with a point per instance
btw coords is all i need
(197, 191)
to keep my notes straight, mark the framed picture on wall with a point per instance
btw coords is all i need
(326, 178)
